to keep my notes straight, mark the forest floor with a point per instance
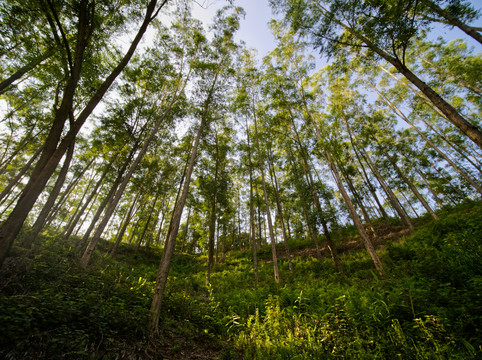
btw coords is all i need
(426, 306)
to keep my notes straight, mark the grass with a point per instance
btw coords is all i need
(426, 306)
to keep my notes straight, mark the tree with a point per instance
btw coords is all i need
(55, 146)
(385, 29)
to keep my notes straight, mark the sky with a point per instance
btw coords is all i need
(254, 30)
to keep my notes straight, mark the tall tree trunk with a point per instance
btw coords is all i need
(252, 227)
(411, 187)
(388, 191)
(316, 201)
(184, 237)
(266, 201)
(212, 220)
(434, 194)
(359, 202)
(454, 21)
(274, 181)
(20, 174)
(125, 223)
(170, 244)
(358, 224)
(451, 114)
(65, 195)
(148, 222)
(107, 198)
(39, 223)
(76, 217)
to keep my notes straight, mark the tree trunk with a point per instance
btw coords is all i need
(422, 135)
(184, 237)
(358, 224)
(412, 187)
(252, 228)
(20, 174)
(212, 221)
(170, 244)
(75, 219)
(266, 201)
(274, 181)
(147, 222)
(125, 223)
(39, 223)
(454, 21)
(451, 114)
(25, 69)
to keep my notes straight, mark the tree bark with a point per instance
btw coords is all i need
(252, 227)
(20, 174)
(125, 223)
(25, 69)
(274, 181)
(266, 201)
(170, 244)
(452, 20)
(212, 220)
(39, 223)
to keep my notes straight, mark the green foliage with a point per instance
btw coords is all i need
(427, 306)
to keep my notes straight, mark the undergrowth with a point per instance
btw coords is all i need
(426, 306)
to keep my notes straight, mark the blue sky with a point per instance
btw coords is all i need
(253, 30)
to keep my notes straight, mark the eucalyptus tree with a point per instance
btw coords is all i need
(250, 106)
(212, 70)
(296, 68)
(213, 179)
(165, 71)
(386, 29)
(86, 38)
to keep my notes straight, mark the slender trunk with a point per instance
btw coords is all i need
(266, 201)
(450, 113)
(411, 187)
(252, 228)
(75, 219)
(212, 220)
(409, 204)
(170, 244)
(312, 231)
(39, 223)
(359, 202)
(65, 195)
(25, 69)
(20, 174)
(184, 237)
(428, 141)
(274, 181)
(370, 185)
(388, 191)
(358, 224)
(434, 194)
(125, 223)
(316, 201)
(361, 230)
(452, 20)
(148, 222)
(452, 145)
(107, 199)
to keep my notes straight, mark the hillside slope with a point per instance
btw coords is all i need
(427, 305)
